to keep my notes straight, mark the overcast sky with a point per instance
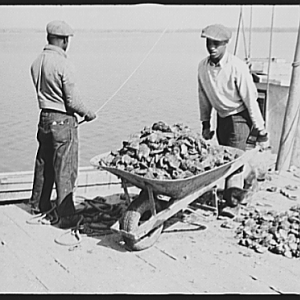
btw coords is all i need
(146, 16)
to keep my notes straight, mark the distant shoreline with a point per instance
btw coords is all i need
(257, 29)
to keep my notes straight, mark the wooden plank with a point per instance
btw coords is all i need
(8, 193)
(61, 262)
(201, 250)
(35, 256)
(90, 176)
(114, 269)
(18, 186)
(200, 261)
(15, 277)
(261, 267)
(200, 267)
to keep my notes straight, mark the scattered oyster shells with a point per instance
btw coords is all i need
(277, 232)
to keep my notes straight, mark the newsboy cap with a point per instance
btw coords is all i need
(216, 32)
(59, 28)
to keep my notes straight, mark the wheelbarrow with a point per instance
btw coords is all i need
(143, 221)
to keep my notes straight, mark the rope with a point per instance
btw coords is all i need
(132, 72)
(241, 24)
(238, 32)
(269, 62)
(244, 36)
(250, 35)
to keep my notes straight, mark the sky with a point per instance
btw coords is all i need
(146, 16)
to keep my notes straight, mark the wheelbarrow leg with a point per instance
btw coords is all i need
(215, 200)
(152, 201)
(127, 197)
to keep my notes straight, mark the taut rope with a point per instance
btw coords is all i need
(111, 97)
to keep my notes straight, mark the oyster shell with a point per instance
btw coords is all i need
(172, 152)
(277, 232)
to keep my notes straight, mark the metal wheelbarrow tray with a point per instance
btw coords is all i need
(181, 192)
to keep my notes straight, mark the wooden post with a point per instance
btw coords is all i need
(295, 160)
(291, 117)
(151, 199)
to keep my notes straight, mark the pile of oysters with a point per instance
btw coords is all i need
(269, 230)
(166, 152)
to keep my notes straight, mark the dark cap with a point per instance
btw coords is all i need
(216, 32)
(59, 28)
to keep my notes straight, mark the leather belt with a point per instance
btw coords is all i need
(49, 110)
(52, 111)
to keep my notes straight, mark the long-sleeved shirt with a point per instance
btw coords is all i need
(54, 80)
(229, 88)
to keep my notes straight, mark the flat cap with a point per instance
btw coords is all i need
(216, 32)
(59, 28)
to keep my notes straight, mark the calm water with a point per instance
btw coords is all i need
(163, 88)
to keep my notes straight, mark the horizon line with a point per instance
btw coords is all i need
(278, 29)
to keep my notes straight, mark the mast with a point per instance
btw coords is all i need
(288, 152)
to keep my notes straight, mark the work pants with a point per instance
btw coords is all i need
(56, 162)
(233, 131)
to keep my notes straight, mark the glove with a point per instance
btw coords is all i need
(90, 116)
(263, 139)
(262, 136)
(207, 134)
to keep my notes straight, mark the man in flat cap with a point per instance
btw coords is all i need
(225, 84)
(59, 102)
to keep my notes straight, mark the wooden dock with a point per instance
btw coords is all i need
(188, 258)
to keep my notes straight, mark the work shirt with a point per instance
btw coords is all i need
(54, 80)
(229, 88)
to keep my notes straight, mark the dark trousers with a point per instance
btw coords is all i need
(56, 162)
(234, 130)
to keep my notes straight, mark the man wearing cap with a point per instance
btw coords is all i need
(59, 101)
(225, 84)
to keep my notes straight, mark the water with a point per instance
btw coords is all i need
(163, 88)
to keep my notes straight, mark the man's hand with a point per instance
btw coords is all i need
(90, 116)
(262, 136)
(263, 140)
(207, 134)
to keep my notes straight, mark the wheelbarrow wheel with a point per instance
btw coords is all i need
(137, 212)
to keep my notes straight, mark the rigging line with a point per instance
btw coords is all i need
(269, 63)
(250, 34)
(132, 72)
(244, 36)
(238, 32)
